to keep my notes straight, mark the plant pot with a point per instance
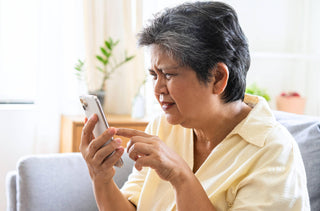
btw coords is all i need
(100, 94)
(291, 104)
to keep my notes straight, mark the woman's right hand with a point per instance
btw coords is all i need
(99, 163)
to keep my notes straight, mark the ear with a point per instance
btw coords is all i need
(220, 78)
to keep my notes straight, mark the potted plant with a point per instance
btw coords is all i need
(254, 89)
(107, 66)
(291, 102)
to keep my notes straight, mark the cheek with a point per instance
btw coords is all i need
(175, 91)
(182, 95)
(190, 96)
(154, 92)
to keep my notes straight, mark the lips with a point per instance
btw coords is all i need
(166, 105)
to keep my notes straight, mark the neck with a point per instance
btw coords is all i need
(217, 126)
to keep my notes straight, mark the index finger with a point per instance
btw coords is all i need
(129, 133)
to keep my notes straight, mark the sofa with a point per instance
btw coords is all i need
(62, 182)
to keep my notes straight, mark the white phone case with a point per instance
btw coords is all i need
(91, 105)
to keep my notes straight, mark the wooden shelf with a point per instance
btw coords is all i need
(71, 129)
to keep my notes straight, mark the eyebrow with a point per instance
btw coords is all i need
(151, 71)
(164, 68)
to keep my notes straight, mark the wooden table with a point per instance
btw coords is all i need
(71, 129)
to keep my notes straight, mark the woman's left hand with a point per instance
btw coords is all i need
(150, 151)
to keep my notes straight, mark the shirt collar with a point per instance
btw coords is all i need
(256, 126)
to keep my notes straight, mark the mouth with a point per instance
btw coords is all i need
(166, 105)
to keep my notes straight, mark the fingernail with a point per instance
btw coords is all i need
(119, 141)
(112, 131)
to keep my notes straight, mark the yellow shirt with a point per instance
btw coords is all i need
(258, 166)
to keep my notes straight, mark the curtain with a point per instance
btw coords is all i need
(60, 44)
(119, 20)
(312, 48)
(72, 30)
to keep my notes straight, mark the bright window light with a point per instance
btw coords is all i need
(18, 50)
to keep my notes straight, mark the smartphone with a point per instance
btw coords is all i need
(91, 105)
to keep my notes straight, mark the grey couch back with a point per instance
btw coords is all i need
(306, 131)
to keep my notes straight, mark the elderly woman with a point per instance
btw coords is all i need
(213, 148)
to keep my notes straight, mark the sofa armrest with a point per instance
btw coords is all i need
(54, 182)
(11, 191)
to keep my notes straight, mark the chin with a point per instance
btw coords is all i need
(174, 120)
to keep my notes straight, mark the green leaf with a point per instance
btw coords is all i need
(100, 69)
(110, 40)
(129, 58)
(116, 43)
(79, 66)
(255, 90)
(104, 51)
(108, 45)
(101, 59)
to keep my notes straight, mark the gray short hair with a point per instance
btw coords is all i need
(200, 35)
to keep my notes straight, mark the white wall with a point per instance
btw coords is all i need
(284, 49)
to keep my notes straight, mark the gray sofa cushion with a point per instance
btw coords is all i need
(306, 131)
(122, 173)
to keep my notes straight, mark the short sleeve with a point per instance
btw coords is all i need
(134, 185)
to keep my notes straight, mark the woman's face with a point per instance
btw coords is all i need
(184, 99)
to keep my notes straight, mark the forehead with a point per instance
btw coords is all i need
(160, 57)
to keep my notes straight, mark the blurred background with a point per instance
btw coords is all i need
(41, 42)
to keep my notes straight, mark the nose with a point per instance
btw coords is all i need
(160, 86)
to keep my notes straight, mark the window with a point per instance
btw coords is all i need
(18, 51)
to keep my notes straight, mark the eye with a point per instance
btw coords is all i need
(153, 74)
(169, 76)
(154, 77)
